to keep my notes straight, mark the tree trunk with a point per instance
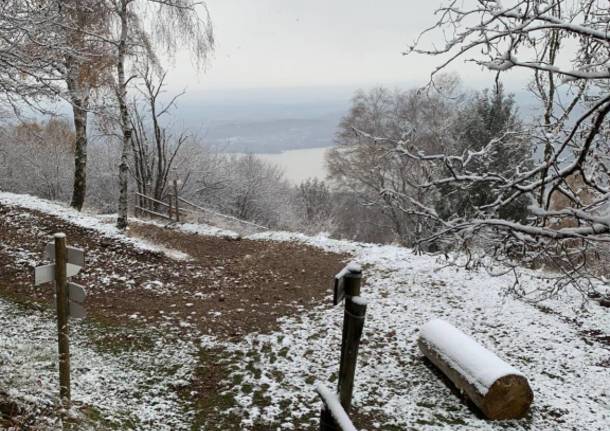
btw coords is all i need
(80, 154)
(125, 125)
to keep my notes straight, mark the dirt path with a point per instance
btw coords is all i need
(227, 287)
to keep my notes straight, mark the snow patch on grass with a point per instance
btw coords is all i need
(134, 388)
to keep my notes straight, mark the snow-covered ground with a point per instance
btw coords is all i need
(102, 224)
(556, 345)
(129, 388)
(565, 368)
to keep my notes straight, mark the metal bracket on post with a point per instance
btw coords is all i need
(347, 283)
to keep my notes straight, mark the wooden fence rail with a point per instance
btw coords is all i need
(175, 212)
(148, 198)
(228, 217)
(153, 207)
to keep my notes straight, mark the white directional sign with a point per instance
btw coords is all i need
(72, 270)
(75, 256)
(44, 274)
(77, 311)
(76, 292)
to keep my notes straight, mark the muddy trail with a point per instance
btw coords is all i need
(224, 287)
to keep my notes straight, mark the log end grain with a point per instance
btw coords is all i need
(510, 397)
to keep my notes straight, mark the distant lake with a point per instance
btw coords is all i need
(298, 165)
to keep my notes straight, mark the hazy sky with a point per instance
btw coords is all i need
(313, 43)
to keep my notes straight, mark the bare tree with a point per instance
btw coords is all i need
(35, 158)
(314, 206)
(565, 46)
(142, 25)
(26, 58)
(243, 186)
(154, 148)
(55, 49)
(85, 67)
(368, 166)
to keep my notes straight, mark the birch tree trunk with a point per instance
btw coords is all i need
(125, 124)
(79, 102)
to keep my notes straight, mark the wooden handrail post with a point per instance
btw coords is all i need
(352, 284)
(355, 311)
(136, 204)
(327, 422)
(63, 329)
(176, 200)
(333, 416)
(347, 285)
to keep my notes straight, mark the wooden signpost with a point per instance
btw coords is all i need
(347, 287)
(69, 296)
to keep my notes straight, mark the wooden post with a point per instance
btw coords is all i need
(353, 281)
(327, 422)
(169, 210)
(347, 285)
(63, 329)
(136, 204)
(355, 310)
(176, 200)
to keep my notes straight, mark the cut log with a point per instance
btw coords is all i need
(498, 389)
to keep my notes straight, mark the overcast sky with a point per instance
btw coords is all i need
(316, 43)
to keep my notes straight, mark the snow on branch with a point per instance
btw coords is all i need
(498, 32)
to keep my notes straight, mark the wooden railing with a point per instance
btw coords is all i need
(178, 209)
(224, 216)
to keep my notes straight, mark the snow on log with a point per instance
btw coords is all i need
(497, 388)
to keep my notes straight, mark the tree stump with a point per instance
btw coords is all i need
(497, 388)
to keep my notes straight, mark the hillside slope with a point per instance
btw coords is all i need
(188, 330)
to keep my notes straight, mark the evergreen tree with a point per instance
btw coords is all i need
(487, 123)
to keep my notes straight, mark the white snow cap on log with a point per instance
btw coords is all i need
(478, 365)
(336, 409)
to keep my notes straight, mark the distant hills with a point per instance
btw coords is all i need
(265, 120)
(268, 121)
(274, 135)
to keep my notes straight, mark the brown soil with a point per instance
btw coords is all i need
(228, 287)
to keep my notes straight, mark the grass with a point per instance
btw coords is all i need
(95, 418)
(208, 394)
(115, 339)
